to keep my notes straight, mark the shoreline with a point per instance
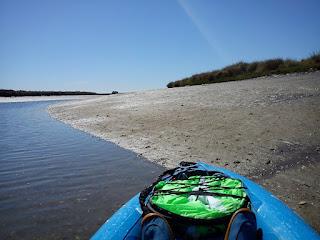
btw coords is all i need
(44, 98)
(266, 129)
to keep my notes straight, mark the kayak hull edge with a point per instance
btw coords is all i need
(276, 220)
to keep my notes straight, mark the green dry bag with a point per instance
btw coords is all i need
(200, 197)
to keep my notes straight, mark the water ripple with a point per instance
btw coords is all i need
(57, 182)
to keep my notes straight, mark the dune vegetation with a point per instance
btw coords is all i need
(243, 70)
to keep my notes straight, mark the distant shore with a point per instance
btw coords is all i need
(24, 93)
(266, 128)
(43, 98)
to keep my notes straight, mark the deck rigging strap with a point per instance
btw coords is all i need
(196, 193)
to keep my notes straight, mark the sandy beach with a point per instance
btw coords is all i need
(266, 128)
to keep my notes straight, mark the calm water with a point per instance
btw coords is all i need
(57, 182)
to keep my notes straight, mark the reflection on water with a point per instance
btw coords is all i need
(57, 182)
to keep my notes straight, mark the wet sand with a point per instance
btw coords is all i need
(266, 128)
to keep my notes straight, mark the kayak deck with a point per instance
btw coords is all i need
(276, 220)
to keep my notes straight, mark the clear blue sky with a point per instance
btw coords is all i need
(135, 45)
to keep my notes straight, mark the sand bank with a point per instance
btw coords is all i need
(267, 129)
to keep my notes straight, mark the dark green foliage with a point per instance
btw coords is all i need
(243, 70)
(21, 93)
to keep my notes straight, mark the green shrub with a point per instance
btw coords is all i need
(243, 70)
